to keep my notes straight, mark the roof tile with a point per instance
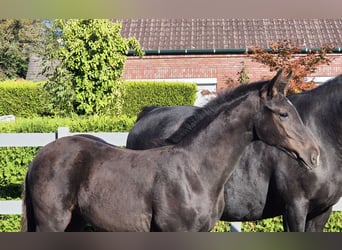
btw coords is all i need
(173, 34)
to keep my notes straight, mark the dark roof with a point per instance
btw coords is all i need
(179, 34)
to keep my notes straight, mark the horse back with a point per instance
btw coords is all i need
(155, 125)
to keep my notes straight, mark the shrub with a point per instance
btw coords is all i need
(10, 223)
(267, 225)
(22, 98)
(91, 55)
(334, 223)
(28, 99)
(140, 94)
(13, 167)
(75, 123)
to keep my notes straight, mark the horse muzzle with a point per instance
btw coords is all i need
(309, 160)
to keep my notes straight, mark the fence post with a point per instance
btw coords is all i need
(62, 132)
(235, 226)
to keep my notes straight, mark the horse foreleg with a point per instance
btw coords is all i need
(294, 218)
(317, 223)
(52, 221)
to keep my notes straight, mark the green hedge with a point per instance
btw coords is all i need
(13, 167)
(76, 124)
(140, 94)
(21, 98)
(27, 99)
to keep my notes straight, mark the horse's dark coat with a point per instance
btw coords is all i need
(78, 179)
(166, 118)
(267, 182)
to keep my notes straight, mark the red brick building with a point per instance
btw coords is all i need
(212, 50)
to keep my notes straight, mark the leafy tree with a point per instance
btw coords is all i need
(89, 56)
(285, 55)
(18, 39)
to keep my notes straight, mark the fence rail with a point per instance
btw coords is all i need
(41, 139)
(9, 207)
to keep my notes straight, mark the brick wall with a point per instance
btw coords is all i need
(222, 67)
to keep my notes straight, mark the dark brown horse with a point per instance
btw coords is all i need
(76, 179)
(266, 182)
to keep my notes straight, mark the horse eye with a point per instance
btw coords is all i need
(283, 114)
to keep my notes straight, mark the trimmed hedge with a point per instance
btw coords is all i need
(22, 98)
(27, 99)
(13, 167)
(10, 223)
(75, 123)
(139, 94)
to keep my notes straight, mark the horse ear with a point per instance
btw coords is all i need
(286, 82)
(276, 85)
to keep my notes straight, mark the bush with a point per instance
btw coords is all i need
(334, 223)
(28, 99)
(267, 225)
(140, 94)
(13, 167)
(75, 123)
(91, 55)
(10, 223)
(22, 98)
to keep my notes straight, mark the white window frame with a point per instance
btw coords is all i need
(318, 79)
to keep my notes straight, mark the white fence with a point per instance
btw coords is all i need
(41, 139)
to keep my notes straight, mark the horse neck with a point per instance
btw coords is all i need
(321, 112)
(218, 147)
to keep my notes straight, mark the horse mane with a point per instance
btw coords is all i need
(202, 117)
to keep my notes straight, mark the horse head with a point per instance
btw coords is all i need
(279, 124)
